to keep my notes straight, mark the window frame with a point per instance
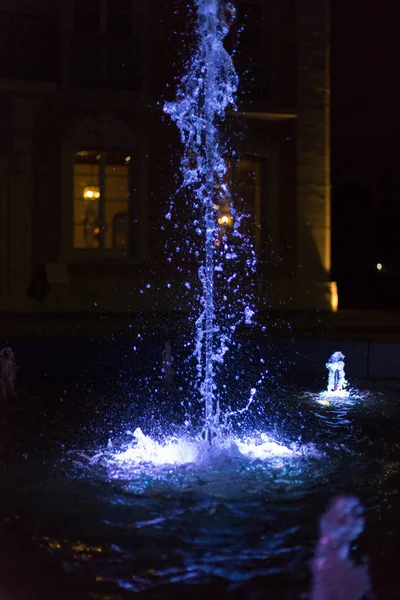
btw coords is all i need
(102, 250)
(260, 230)
(103, 12)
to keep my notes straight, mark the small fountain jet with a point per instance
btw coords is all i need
(336, 379)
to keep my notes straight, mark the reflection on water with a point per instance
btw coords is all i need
(158, 513)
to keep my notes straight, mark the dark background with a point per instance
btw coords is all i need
(365, 52)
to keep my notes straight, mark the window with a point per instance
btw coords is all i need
(105, 45)
(101, 200)
(250, 17)
(104, 16)
(87, 16)
(29, 25)
(119, 16)
(244, 178)
(250, 39)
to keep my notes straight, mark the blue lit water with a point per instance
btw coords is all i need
(207, 88)
(83, 518)
(108, 489)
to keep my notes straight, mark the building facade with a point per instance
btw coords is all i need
(89, 164)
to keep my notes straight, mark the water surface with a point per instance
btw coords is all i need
(88, 511)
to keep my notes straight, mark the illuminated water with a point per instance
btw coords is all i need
(83, 519)
(337, 382)
(207, 89)
(108, 494)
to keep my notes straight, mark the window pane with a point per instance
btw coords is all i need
(120, 231)
(87, 21)
(87, 157)
(117, 188)
(86, 200)
(119, 23)
(223, 213)
(124, 6)
(115, 157)
(250, 12)
(250, 38)
(117, 224)
(97, 210)
(93, 4)
(117, 194)
(247, 191)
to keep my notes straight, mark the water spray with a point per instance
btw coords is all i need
(207, 89)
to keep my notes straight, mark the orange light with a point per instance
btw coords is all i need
(91, 192)
(225, 220)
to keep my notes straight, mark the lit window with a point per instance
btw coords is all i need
(101, 200)
(243, 179)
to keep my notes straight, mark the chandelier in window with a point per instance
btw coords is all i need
(91, 192)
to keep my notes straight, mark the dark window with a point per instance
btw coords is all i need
(87, 16)
(29, 44)
(250, 39)
(119, 17)
(104, 46)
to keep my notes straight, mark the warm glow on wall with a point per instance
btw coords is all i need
(334, 296)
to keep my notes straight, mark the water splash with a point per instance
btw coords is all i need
(183, 457)
(336, 379)
(181, 450)
(207, 89)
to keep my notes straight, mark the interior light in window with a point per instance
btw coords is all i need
(225, 220)
(128, 158)
(91, 192)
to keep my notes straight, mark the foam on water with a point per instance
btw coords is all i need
(145, 454)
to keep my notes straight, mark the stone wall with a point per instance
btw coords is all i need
(313, 159)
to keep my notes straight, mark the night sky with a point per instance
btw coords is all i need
(365, 39)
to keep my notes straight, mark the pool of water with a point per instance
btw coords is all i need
(91, 507)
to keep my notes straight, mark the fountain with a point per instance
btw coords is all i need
(336, 379)
(164, 513)
(207, 89)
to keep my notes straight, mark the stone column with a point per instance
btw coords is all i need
(4, 233)
(313, 156)
(20, 202)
